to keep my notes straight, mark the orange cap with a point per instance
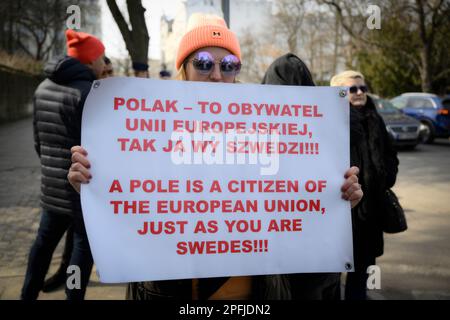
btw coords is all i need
(206, 30)
(83, 46)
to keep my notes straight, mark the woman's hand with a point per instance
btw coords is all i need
(351, 189)
(79, 170)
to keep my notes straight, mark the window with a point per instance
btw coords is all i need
(420, 103)
(399, 102)
(446, 103)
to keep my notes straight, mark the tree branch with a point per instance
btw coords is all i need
(139, 32)
(122, 24)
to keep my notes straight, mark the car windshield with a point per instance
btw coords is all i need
(384, 106)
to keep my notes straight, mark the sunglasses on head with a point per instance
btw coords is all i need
(204, 63)
(354, 89)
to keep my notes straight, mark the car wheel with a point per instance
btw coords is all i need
(427, 135)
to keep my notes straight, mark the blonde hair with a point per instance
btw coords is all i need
(340, 78)
(181, 74)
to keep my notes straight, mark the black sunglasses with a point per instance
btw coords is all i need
(354, 89)
(204, 63)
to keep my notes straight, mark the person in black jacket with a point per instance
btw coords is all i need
(58, 106)
(291, 70)
(372, 151)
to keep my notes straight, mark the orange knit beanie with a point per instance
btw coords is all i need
(206, 30)
(83, 46)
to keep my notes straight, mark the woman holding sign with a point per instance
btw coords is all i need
(209, 52)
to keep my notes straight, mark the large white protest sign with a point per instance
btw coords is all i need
(193, 179)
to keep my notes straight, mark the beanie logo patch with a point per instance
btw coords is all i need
(216, 34)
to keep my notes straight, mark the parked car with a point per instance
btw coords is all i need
(430, 110)
(404, 130)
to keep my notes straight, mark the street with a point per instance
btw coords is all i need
(416, 263)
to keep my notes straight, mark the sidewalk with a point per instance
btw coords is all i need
(20, 215)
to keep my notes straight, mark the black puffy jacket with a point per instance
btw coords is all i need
(58, 106)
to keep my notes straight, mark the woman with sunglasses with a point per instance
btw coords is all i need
(209, 52)
(372, 151)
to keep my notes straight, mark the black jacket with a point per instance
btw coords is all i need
(58, 105)
(269, 287)
(372, 151)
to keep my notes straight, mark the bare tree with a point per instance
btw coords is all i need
(136, 38)
(288, 20)
(317, 41)
(32, 26)
(8, 12)
(36, 27)
(431, 16)
(309, 31)
(426, 18)
(42, 20)
(259, 50)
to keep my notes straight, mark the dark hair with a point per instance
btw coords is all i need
(288, 70)
(107, 60)
(165, 73)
